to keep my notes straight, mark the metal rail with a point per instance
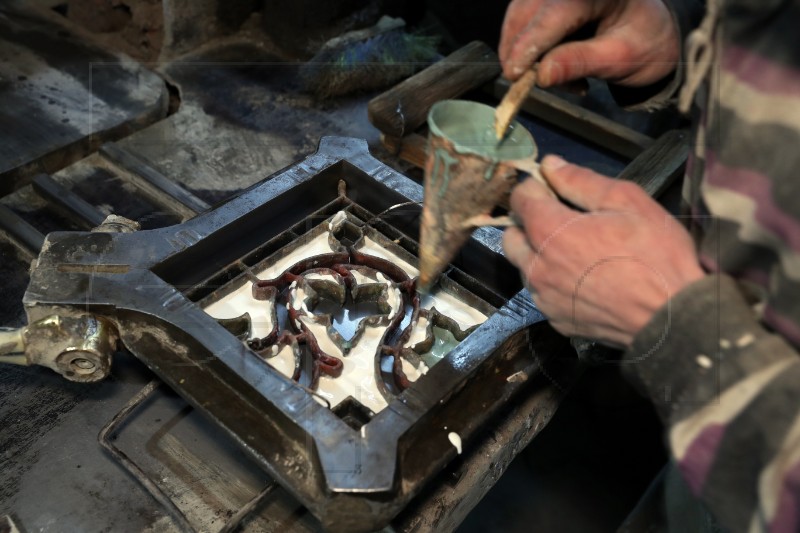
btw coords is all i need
(20, 231)
(104, 438)
(153, 181)
(67, 201)
(133, 469)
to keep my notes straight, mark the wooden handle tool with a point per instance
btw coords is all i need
(512, 101)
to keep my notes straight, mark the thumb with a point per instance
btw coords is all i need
(601, 57)
(578, 185)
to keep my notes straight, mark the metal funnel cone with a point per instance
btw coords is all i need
(465, 176)
(457, 188)
(438, 247)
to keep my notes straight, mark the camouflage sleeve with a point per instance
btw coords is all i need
(729, 392)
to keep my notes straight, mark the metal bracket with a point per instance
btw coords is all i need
(77, 347)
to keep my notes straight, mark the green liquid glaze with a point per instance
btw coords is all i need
(443, 161)
(470, 127)
(444, 343)
(489, 171)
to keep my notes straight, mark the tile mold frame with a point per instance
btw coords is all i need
(351, 480)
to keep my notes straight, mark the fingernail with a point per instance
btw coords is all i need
(553, 162)
(550, 75)
(517, 71)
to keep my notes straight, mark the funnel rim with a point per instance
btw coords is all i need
(518, 129)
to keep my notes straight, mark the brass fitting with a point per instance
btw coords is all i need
(77, 347)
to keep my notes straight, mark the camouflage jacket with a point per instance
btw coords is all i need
(720, 361)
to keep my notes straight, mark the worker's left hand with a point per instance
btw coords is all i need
(601, 273)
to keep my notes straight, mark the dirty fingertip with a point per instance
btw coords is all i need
(512, 70)
(516, 246)
(528, 190)
(553, 162)
(510, 236)
(550, 73)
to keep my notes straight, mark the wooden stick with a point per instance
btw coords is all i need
(487, 220)
(579, 121)
(512, 101)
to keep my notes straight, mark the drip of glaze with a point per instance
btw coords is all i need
(418, 333)
(442, 161)
(455, 440)
(489, 171)
(413, 374)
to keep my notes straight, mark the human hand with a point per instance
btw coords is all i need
(636, 43)
(602, 273)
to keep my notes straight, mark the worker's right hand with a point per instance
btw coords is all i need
(602, 267)
(637, 42)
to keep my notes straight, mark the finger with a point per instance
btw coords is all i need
(518, 14)
(517, 248)
(585, 188)
(606, 57)
(541, 213)
(522, 255)
(553, 21)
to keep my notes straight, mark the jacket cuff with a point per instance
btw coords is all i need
(676, 358)
(687, 15)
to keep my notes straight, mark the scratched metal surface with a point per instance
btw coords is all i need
(62, 97)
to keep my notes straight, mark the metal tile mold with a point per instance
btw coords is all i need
(337, 310)
(356, 455)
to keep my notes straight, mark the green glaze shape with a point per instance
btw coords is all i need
(442, 161)
(489, 171)
(444, 343)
